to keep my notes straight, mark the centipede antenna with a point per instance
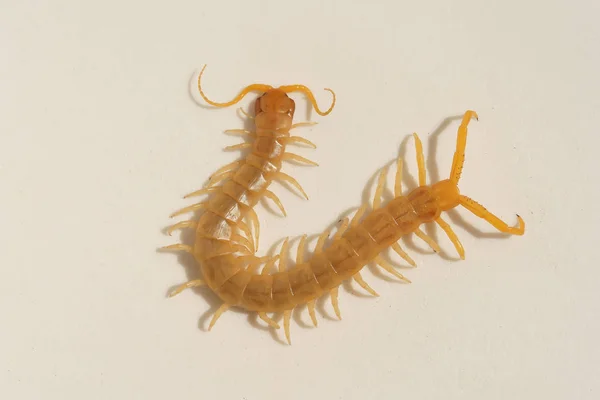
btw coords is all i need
(255, 87)
(311, 97)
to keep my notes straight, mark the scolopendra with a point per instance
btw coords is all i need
(226, 257)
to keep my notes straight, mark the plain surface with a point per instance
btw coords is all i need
(100, 138)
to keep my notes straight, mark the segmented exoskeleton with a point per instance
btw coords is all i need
(229, 267)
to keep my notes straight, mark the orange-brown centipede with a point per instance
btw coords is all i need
(224, 246)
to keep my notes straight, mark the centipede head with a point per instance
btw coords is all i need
(273, 99)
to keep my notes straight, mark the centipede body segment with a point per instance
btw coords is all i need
(225, 244)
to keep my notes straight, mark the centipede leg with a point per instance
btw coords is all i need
(321, 241)
(452, 236)
(283, 255)
(461, 143)
(398, 179)
(379, 189)
(269, 321)
(311, 311)
(187, 285)
(398, 192)
(224, 307)
(287, 315)
(245, 114)
(240, 132)
(179, 247)
(358, 215)
(191, 208)
(343, 227)
(276, 200)
(242, 227)
(390, 268)
(201, 192)
(496, 222)
(228, 167)
(420, 160)
(253, 218)
(239, 239)
(181, 225)
(298, 158)
(297, 139)
(286, 178)
(269, 265)
(301, 250)
(398, 249)
(300, 124)
(427, 239)
(241, 146)
(213, 180)
(334, 302)
(359, 279)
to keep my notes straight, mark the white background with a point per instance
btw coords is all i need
(101, 135)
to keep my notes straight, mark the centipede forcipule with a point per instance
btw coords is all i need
(225, 248)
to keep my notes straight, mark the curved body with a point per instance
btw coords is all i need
(225, 250)
(327, 269)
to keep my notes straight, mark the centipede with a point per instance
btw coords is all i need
(227, 230)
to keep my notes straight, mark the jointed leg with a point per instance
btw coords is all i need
(423, 236)
(287, 315)
(398, 249)
(283, 255)
(299, 124)
(358, 215)
(228, 167)
(269, 265)
(187, 285)
(179, 247)
(245, 113)
(253, 219)
(240, 132)
(311, 312)
(285, 177)
(241, 146)
(193, 207)
(461, 143)
(241, 240)
(334, 302)
(201, 192)
(359, 279)
(390, 268)
(398, 180)
(343, 227)
(301, 250)
(298, 158)
(275, 199)
(269, 321)
(224, 307)
(452, 236)
(297, 139)
(420, 160)
(213, 180)
(182, 225)
(379, 190)
(321, 241)
(496, 222)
